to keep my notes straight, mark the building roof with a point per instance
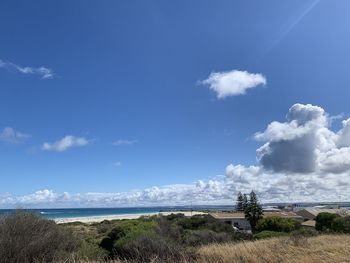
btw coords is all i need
(220, 215)
(312, 212)
(237, 215)
(309, 223)
(284, 214)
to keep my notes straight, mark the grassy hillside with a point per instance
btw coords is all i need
(25, 237)
(324, 248)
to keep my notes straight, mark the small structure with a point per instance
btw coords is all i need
(237, 220)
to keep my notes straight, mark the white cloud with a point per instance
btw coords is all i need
(209, 192)
(233, 83)
(43, 72)
(125, 142)
(12, 136)
(270, 187)
(65, 143)
(344, 134)
(302, 160)
(305, 143)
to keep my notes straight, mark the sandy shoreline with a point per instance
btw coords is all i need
(94, 219)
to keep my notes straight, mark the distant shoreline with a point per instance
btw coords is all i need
(100, 218)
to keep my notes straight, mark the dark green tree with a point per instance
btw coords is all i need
(278, 224)
(240, 202)
(324, 221)
(253, 211)
(332, 222)
(245, 201)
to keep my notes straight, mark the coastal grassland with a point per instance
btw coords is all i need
(172, 238)
(323, 248)
(25, 237)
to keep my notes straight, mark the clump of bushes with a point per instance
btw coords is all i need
(165, 238)
(204, 237)
(332, 223)
(304, 232)
(147, 248)
(25, 237)
(278, 224)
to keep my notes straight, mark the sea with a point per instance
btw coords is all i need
(65, 213)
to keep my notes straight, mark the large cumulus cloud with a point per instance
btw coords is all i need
(305, 143)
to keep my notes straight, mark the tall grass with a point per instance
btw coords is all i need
(325, 248)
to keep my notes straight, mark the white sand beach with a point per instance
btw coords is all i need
(94, 219)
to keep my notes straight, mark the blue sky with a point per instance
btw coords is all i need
(129, 82)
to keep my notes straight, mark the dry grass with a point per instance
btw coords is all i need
(326, 248)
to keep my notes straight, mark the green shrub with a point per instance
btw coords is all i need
(338, 224)
(277, 224)
(123, 233)
(90, 250)
(325, 221)
(268, 234)
(154, 249)
(203, 222)
(25, 237)
(204, 237)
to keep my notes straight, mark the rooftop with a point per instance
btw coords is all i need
(315, 211)
(311, 223)
(227, 215)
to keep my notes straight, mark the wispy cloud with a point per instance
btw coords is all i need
(65, 143)
(233, 83)
(125, 142)
(43, 72)
(12, 136)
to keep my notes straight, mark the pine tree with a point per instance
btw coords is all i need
(253, 211)
(240, 202)
(245, 202)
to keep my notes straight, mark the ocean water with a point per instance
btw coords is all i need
(58, 213)
(84, 212)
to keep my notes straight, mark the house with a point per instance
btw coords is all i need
(312, 212)
(239, 222)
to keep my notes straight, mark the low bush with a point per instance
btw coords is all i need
(277, 224)
(328, 222)
(198, 222)
(204, 237)
(324, 221)
(25, 237)
(123, 233)
(154, 249)
(165, 238)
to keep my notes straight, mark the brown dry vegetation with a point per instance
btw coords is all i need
(325, 248)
